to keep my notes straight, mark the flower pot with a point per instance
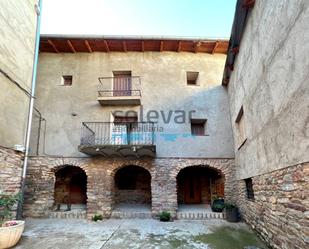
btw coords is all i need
(231, 214)
(9, 236)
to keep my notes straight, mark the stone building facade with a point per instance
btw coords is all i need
(101, 194)
(18, 25)
(266, 76)
(177, 92)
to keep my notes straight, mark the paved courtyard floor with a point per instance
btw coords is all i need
(137, 233)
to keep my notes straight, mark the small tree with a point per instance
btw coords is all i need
(6, 204)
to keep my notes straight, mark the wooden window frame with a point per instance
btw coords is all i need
(201, 122)
(249, 189)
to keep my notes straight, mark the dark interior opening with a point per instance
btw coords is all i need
(71, 185)
(133, 185)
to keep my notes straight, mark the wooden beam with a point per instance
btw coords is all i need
(248, 4)
(161, 46)
(106, 46)
(53, 45)
(71, 46)
(124, 44)
(215, 47)
(88, 46)
(196, 46)
(231, 67)
(143, 46)
(235, 50)
(179, 47)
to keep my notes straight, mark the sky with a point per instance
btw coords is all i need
(185, 18)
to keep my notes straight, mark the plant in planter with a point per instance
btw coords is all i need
(10, 230)
(165, 216)
(217, 205)
(231, 212)
(97, 217)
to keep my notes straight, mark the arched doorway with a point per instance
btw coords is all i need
(70, 187)
(198, 185)
(132, 188)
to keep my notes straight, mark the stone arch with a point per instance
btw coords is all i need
(199, 184)
(131, 185)
(224, 166)
(78, 183)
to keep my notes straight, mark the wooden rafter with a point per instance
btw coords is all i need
(231, 67)
(248, 3)
(179, 47)
(215, 47)
(106, 46)
(88, 46)
(161, 46)
(196, 46)
(124, 44)
(235, 50)
(71, 46)
(53, 45)
(76, 45)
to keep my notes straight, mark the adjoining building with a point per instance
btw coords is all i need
(266, 76)
(18, 21)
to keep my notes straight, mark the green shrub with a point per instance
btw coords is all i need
(229, 206)
(6, 204)
(165, 216)
(97, 217)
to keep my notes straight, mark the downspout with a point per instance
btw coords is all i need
(30, 110)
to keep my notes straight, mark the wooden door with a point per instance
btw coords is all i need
(192, 190)
(122, 86)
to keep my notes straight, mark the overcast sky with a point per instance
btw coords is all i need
(198, 18)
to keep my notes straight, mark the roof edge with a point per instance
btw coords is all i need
(132, 37)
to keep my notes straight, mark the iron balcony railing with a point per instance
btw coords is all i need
(119, 86)
(108, 133)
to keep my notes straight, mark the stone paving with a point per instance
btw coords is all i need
(137, 233)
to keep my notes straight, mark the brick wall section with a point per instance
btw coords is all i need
(280, 211)
(10, 170)
(100, 186)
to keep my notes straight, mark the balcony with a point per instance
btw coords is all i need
(120, 90)
(130, 139)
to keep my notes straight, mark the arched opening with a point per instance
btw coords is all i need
(70, 188)
(197, 186)
(132, 188)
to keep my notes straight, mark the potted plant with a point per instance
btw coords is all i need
(217, 205)
(165, 216)
(10, 230)
(231, 212)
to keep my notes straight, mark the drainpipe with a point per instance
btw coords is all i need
(30, 110)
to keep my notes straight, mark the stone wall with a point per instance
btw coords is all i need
(100, 181)
(10, 170)
(279, 211)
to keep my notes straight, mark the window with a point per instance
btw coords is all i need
(198, 127)
(122, 83)
(192, 78)
(240, 126)
(67, 80)
(249, 189)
